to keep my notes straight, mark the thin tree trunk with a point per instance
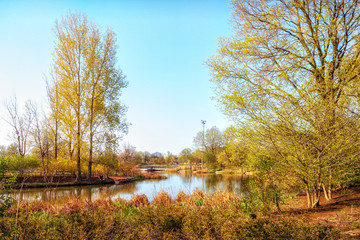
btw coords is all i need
(91, 133)
(56, 140)
(43, 166)
(330, 186)
(70, 150)
(56, 121)
(90, 156)
(325, 192)
(89, 170)
(278, 205)
(78, 165)
(308, 194)
(78, 114)
(316, 202)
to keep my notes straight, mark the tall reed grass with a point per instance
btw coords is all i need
(189, 216)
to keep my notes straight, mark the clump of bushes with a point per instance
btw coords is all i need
(196, 216)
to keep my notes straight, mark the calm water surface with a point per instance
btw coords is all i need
(173, 184)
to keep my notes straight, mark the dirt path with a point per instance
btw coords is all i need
(342, 212)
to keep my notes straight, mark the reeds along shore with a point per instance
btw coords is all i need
(197, 216)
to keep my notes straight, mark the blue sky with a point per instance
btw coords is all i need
(162, 47)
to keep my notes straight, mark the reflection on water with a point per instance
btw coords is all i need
(174, 183)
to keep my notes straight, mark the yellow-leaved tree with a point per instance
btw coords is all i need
(87, 86)
(289, 71)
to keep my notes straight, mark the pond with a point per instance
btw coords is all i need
(173, 184)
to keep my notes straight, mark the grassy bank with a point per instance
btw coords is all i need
(195, 216)
(66, 181)
(61, 184)
(149, 176)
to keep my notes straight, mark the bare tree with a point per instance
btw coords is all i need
(41, 138)
(20, 123)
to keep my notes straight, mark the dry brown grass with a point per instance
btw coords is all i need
(196, 216)
(198, 195)
(222, 199)
(139, 200)
(35, 206)
(204, 170)
(102, 203)
(163, 198)
(182, 197)
(120, 201)
(147, 175)
(173, 170)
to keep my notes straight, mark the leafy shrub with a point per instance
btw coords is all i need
(22, 164)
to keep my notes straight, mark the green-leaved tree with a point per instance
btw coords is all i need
(288, 71)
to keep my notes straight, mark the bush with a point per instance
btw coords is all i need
(22, 164)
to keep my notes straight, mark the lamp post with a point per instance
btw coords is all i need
(203, 122)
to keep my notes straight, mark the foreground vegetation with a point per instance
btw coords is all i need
(195, 216)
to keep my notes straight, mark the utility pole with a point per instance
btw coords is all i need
(203, 122)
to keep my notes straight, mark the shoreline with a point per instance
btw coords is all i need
(70, 181)
(68, 184)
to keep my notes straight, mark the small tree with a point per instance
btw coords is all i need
(186, 156)
(20, 123)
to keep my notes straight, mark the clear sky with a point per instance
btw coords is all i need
(162, 47)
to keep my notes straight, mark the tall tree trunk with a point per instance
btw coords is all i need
(56, 140)
(91, 133)
(78, 165)
(90, 155)
(316, 200)
(43, 166)
(330, 185)
(70, 150)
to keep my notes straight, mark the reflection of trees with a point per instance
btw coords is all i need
(212, 181)
(88, 194)
(115, 190)
(64, 194)
(208, 182)
(59, 194)
(129, 188)
(231, 183)
(245, 185)
(102, 192)
(186, 177)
